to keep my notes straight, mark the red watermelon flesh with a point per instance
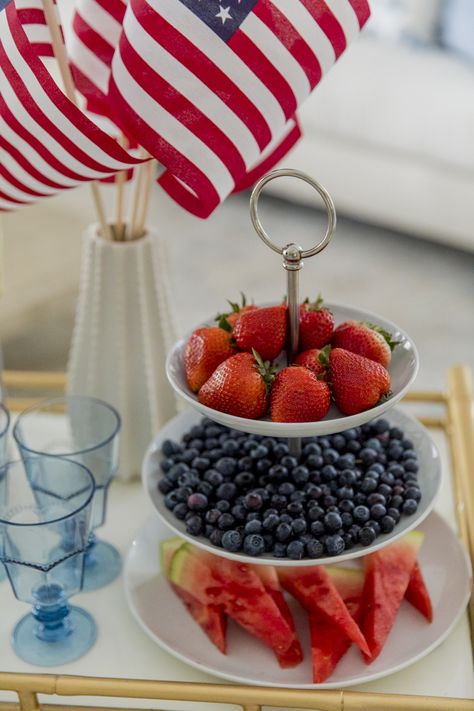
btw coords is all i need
(237, 590)
(316, 592)
(388, 573)
(210, 618)
(269, 577)
(328, 642)
(417, 594)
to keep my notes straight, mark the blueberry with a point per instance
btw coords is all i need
(300, 475)
(338, 441)
(180, 510)
(295, 550)
(271, 522)
(254, 526)
(270, 512)
(347, 520)
(349, 541)
(368, 485)
(413, 493)
(283, 532)
(387, 478)
(330, 456)
(317, 528)
(259, 452)
(314, 548)
(166, 464)
(407, 443)
(313, 491)
(350, 434)
(253, 501)
(353, 446)
(171, 500)
(387, 524)
(212, 515)
(280, 450)
(226, 491)
(226, 465)
(244, 479)
(394, 513)
(385, 490)
(289, 461)
(334, 545)
(295, 508)
(396, 501)
(311, 448)
(376, 499)
(239, 512)
(165, 486)
(201, 463)
(223, 506)
(409, 507)
(225, 521)
(232, 541)
(169, 448)
(361, 514)
(299, 526)
(194, 525)
(314, 461)
(216, 537)
(396, 433)
(346, 506)
(230, 447)
(328, 472)
(254, 544)
(263, 465)
(315, 513)
(375, 526)
(411, 465)
(395, 451)
(211, 443)
(347, 477)
(278, 472)
(175, 472)
(360, 499)
(378, 511)
(368, 456)
(366, 536)
(345, 492)
(244, 464)
(374, 443)
(332, 522)
(381, 426)
(279, 550)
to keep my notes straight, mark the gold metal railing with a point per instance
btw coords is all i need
(457, 421)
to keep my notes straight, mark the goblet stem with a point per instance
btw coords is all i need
(51, 611)
(90, 558)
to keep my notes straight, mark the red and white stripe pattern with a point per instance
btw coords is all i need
(31, 16)
(97, 26)
(211, 88)
(47, 144)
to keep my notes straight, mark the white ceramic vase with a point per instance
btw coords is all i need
(122, 332)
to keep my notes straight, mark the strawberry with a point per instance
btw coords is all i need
(298, 396)
(239, 386)
(228, 320)
(358, 383)
(205, 350)
(262, 329)
(316, 324)
(313, 359)
(365, 339)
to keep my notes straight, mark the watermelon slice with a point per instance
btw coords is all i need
(316, 592)
(269, 577)
(417, 594)
(210, 618)
(388, 573)
(237, 589)
(328, 642)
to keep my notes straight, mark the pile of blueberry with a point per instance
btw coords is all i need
(245, 492)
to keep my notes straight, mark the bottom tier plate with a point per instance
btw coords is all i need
(164, 618)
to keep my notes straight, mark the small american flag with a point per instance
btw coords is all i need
(47, 144)
(210, 88)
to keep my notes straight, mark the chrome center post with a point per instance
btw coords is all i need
(293, 256)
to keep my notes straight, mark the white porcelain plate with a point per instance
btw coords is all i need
(164, 618)
(403, 369)
(429, 479)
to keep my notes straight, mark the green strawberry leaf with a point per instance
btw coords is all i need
(385, 334)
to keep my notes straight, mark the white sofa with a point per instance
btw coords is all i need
(390, 133)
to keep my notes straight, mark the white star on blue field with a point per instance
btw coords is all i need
(224, 18)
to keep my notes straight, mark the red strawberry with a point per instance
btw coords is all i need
(313, 360)
(262, 329)
(298, 396)
(316, 324)
(365, 339)
(239, 386)
(205, 350)
(357, 382)
(225, 320)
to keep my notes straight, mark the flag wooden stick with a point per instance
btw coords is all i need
(66, 76)
(120, 179)
(145, 199)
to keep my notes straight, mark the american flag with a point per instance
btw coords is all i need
(47, 144)
(210, 88)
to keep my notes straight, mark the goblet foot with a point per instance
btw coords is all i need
(102, 565)
(34, 650)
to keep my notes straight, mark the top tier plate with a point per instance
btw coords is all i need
(403, 369)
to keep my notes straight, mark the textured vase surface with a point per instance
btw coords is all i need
(122, 333)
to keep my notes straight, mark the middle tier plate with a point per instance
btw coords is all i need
(402, 369)
(429, 480)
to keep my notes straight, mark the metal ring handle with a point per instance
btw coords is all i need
(290, 172)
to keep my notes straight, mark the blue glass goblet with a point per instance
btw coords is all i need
(45, 512)
(4, 426)
(85, 430)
